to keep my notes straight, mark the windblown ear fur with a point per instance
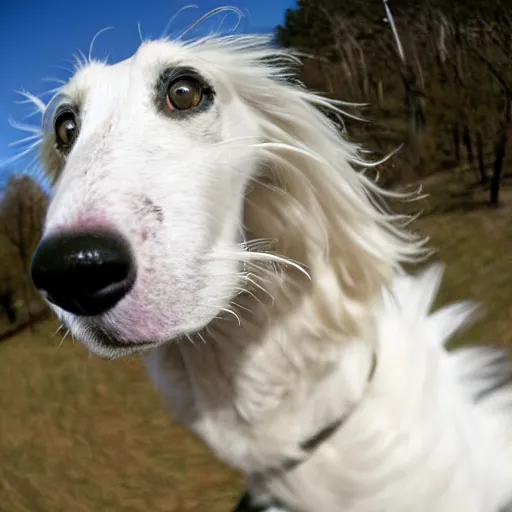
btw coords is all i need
(310, 199)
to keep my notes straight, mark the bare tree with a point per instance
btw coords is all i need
(411, 73)
(491, 43)
(22, 213)
(439, 82)
(349, 54)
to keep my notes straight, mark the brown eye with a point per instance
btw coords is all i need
(66, 129)
(184, 94)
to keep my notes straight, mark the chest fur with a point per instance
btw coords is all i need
(254, 408)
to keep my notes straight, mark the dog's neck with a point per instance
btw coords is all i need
(254, 400)
(256, 393)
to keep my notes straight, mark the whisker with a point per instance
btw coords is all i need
(31, 166)
(83, 58)
(139, 30)
(53, 79)
(233, 313)
(239, 306)
(80, 60)
(169, 23)
(17, 157)
(208, 15)
(268, 269)
(51, 92)
(25, 139)
(234, 29)
(68, 70)
(31, 98)
(66, 334)
(24, 127)
(257, 285)
(251, 294)
(276, 258)
(91, 46)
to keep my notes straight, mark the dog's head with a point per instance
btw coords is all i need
(169, 166)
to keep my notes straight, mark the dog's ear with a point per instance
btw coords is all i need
(322, 212)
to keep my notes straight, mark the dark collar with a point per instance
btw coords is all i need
(308, 446)
(313, 442)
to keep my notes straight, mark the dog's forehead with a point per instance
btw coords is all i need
(161, 52)
(144, 66)
(140, 71)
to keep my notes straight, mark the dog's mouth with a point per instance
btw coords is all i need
(103, 338)
(106, 343)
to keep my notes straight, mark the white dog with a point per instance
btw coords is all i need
(208, 214)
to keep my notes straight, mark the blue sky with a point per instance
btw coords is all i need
(39, 37)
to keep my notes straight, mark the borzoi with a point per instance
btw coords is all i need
(208, 214)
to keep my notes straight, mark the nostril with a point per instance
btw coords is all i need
(84, 273)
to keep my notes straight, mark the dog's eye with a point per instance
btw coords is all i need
(184, 94)
(66, 129)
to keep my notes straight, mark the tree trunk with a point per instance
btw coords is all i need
(456, 142)
(499, 159)
(466, 139)
(498, 169)
(481, 158)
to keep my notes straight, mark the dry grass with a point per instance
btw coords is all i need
(88, 435)
(80, 434)
(475, 242)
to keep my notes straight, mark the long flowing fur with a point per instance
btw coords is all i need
(308, 200)
(307, 197)
(320, 293)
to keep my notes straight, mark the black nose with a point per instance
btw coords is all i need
(86, 273)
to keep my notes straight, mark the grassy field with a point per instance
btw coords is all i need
(86, 435)
(80, 434)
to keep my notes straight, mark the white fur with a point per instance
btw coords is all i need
(268, 277)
